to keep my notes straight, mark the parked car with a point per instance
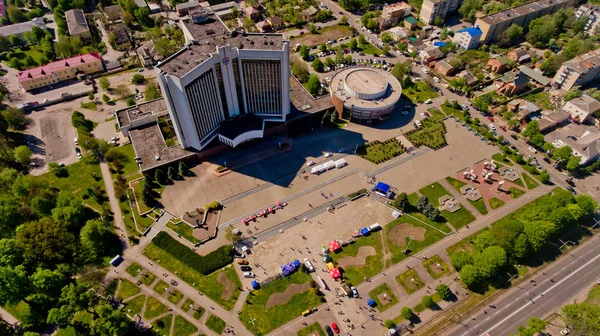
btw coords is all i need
(246, 268)
(428, 101)
(242, 262)
(514, 136)
(329, 331)
(533, 150)
(76, 141)
(335, 328)
(571, 189)
(492, 127)
(490, 119)
(248, 275)
(354, 292)
(328, 154)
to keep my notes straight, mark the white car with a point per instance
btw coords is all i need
(428, 101)
(492, 127)
(423, 116)
(565, 331)
(425, 71)
(533, 150)
(328, 154)
(309, 265)
(76, 141)
(417, 123)
(248, 275)
(310, 163)
(437, 80)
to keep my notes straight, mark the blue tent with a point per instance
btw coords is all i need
(371, 303)
(297, 263)
(439, 44)
(364, 231)
(382, 189)
(255, 284)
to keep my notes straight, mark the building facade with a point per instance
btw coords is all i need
(77, 24)
(579, 71)
(593, 14)
(221, 78)
(494, 25)
(468, 38)
(59, 71)
(433, 9)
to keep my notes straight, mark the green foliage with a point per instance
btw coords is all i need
(444, 292)
(461, 259)
(317, 65)
(23, 155)
(314, 84)
(401, 202)
(533, 128)
(378, 152)
(582, 318)
(407, 313)
(80, 122)
(534, 326)
(299, 70)
(152, 91)
(427, 301)
(203, 264)
(304, 52)
(215, 205)
(138, 79)
(389, 324)
(15, 118)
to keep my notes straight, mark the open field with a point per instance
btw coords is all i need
(324, 34)
(419, 92)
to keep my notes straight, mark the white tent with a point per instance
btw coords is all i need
(329, 165)
(340, 163)
(317, 169)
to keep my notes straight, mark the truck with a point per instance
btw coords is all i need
(346, 290)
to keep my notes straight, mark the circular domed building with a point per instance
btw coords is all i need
(366, 93)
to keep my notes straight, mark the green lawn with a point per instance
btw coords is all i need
(419, 308)
(68, 331)
(412, 198)
(21, 53)
(175, 296)
(541, 99)
(431, 236)
(154, 308)
(185, 306)
(135, 305)
(419, 92)
(127, 289)
(370, 49)
(458, 218)
(433, 192)
(138, 187)
(83, 177)
(184, 230)
(19, 310)
(410, 281)
(129, 165)
(374, 264)
(530, 182)
(89, 105)
(457, 184)
(314, 329)
(594, 296)
(268, 319)
(435, 114)
(465, 244)
(381, 289)
(183, 327)
(495, 203)
(378, 152)
(161, 287)
(516, 192)
(207, 284)
(451, 109)
(480, 206)
(436, 267)
(215, 324)
(519, 182)
(134, 269)
(432, 135)
(148, 278)
(198, 312)
(498, 157)
(162, 326)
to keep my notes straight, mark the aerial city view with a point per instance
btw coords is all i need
(299, 168)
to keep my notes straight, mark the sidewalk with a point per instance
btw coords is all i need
(114, 206)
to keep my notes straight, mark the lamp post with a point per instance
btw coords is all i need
(565, 243)
(252, 320)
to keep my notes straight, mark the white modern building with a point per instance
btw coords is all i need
(225, 84)
(468, 38)
(432, 9)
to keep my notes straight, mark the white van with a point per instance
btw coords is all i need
(309, 265)
(492, 127)
(248, 275)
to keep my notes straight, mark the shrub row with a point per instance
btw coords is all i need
(207, 264)
(357, 193)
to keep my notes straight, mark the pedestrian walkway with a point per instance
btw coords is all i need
(114, 205)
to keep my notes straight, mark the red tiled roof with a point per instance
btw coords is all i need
(50, 68)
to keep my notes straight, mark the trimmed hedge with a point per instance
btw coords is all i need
(357, 193)
(207, 264)
(431, 134)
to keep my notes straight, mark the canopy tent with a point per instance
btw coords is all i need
(329, 165)
(335, 273)
(255, 284)
(439, 44)
(326, 258)
(333, 246)
(364, 231)
(340, 163)
(330, 265)
(382, 189)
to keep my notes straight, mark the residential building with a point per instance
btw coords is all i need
(584, 140)
(497, 64)
(518, 55)
(263, 26)
(309, 14)
(432, 9)
(431, 54)
(275, 22)
(444, 68)
(148, 55)
(113, 13)
(512, 83)
(410, 23)
(141, 3)
(122, 41)
(396, 11)
(551, 120)
(77, 24)
(19, 29)
(398, 33)
(468, 38)
(253, 13)
(523, 109)
(581, 108)
(579, 71)
(224, 84)
(225, 10)
(494, 25)
(183, 9)
(593, 14)
(536, 75)
(59, 71)
(468, 77)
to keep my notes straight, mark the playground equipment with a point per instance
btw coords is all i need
(490, 165)
(470, 175)
(500, 184)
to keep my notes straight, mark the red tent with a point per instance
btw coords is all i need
(335, 273)
(333, 246)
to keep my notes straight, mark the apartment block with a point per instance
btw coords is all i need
(432, 9)
(494, 25)
(579, 71)
(593, 14)
(59, 71)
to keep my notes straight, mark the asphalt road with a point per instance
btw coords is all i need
(564, 279)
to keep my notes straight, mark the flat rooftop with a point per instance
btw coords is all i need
(154, 107)
(525, 9)
(365, 81)
(391, 96)
(206, 37)
(302, 100)
(149, 143)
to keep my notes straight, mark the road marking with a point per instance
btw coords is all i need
(548, 290)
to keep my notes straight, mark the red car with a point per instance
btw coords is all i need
(335, 328)
(490, 119)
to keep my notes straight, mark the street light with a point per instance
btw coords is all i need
(410, 239)
(565, 243)
(252, 320)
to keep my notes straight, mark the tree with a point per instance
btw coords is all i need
(389, 324)
(58, 170)
(461, 259)
(541, 30)
(23, 155)
(421, 202)
(304, 52)
(312, 29)
(574, 163)
(469, 9)
(96, 239)
(407, 313)
(353, 44)
(335, 118)
(438, 21)
(172, 173)
(427, 301)
(104, 83)
(544, 177)
(532, 129)
(400, 202)
(339, 57)
(14, 284)
(575, 92)
(109, 321)
(45, 242)
(143, 17)
(537, 140)
(323, 47)
(361, 39)
(485, 240)
(152, 91)
(317, 65)
(166, 47)
(490, 261)
(138, 79)
(314, 85)
(299, 70)
(562, 153)
(15, 118)
(538, 232)
(534, 326)
(582, 318)
(470, 276)
(344, 20)
(511, 35)
(587, 204)
(105, 99)
(329, 63)
(15, 15)
(122, 91)
(183, 169)
(444, 292)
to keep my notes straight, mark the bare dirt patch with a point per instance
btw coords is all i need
(56, 134)
(228, 286)
(399, 233)
(284, 297)
(324, 35)
(360, 259)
